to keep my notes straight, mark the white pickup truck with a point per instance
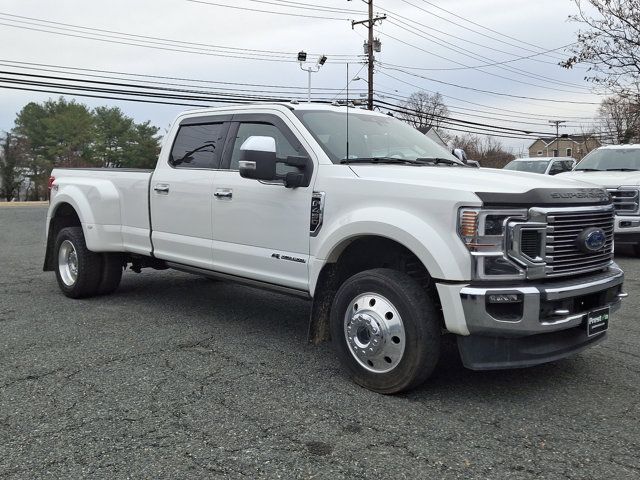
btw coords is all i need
(396, 242)
(616, 168)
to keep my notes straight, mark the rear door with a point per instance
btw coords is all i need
(181, 193)
(261, 229)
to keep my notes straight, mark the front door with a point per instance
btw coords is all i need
(261, 229)
(181, 195)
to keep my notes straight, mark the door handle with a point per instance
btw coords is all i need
(223, 194)
(161, 188)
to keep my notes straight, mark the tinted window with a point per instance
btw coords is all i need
(284, 148)
(197, 146)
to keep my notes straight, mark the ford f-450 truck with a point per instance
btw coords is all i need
(396, 242)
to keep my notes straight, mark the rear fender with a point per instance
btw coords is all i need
(98, 206)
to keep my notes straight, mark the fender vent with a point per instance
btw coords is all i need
(317, 212)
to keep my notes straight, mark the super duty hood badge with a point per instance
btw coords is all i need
(548, 197)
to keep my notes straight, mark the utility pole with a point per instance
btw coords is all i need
(557, 124)
(370, 23)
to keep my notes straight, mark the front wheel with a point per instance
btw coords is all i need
(385, 330)
(79, 270)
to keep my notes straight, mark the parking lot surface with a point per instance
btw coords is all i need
(176, 376)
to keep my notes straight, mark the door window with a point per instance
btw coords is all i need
(197, 146)
(284, 148)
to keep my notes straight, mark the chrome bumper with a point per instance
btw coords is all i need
(545, 306)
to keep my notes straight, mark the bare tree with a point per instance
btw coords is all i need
(619, 119)
(423, 110)
(609, 44)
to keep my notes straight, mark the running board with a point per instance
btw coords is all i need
(240, 280)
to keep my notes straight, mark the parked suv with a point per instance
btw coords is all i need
(616, 168)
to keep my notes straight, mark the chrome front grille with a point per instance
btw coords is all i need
(625, 200)
(563, 255)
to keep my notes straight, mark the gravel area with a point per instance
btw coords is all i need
(176, 376)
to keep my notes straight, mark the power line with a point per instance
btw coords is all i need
(308, 6)
(466, 28)
(479, 90)
(267, 11)
(63, 31)
(467, 53)
(480, 25)
(479, 128)
(111, 73)
(121, 88)
(181, 93)
(162, 97)
(464, 51)
(162, 39)
(57, 92)
(248, 87)
(430, 28)
(505, 117)
(465, 122)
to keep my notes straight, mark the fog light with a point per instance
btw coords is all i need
(629, 223)
(504, 298)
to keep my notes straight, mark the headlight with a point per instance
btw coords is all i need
(484, 233)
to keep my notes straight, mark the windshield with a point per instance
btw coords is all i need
(370, 136)
(534, 166)
(611, 159)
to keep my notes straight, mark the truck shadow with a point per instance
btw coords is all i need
(281, 322)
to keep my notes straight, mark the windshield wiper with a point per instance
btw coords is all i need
(390, 160)
(437, 160)
(622, 169)
(587, 170)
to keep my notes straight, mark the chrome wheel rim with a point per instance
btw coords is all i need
(374, 332)
(68, 263)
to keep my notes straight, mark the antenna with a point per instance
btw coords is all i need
(347, 106)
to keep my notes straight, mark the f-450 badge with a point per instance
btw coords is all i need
(287, 257)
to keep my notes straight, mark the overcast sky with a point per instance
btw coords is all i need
(541, 23)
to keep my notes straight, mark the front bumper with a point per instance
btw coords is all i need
(549, 321)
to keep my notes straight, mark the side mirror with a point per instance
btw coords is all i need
(258, 161)
(473, 163)
(460, 154)
(258, 158)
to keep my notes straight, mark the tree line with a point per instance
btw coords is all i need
(61, 133)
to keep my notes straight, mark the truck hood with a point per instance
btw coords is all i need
(605, 179)
(465, 179)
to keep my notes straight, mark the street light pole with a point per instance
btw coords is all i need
(302, 58)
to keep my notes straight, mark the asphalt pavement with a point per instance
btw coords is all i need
(176, 376)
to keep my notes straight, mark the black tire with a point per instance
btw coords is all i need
(419, 317)
(636, 250)
(112, 266)
(89, 265)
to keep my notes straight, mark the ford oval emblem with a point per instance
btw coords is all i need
(592, 240)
